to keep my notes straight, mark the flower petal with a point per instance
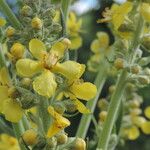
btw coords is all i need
(59, 122)
(146, 127)
(76, 42)
(81, 107)
(70, 69)
(2, 22)
(85, 91)
(4, 76)
(28, 67)
(3, 95)
(37, 48)
(58, 49)
(133, 133)
(45, 84)
(12, 110)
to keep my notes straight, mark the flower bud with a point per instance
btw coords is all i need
(119, 63)
(103, 104)
(112, 88)
(79, 144)
(62, 138)
(146, 42)
(147, 71)
(143, 79)
(51, 142)
(51, 12)
(26, 11)
(36, 23)
(26, 82)
(10, 31)
(134, 104)
(30, 137)
(59, 108)
(70, 106)
(135, 69)
(102, 115)
(12, 92)
(17, 50)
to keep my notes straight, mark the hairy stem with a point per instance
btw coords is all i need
(117, 95)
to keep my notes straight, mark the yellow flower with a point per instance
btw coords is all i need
(147, 112)
(59, 122)
(9, 106)
(2, 22)
(73, 29)
(132, 133)
(47, 63)
(146, 127)
(145, 11)
(117, 14)
(101, 43)
(80, 90)
(8, 142)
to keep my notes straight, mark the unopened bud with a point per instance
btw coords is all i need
(51, 142)
(26, 11)
(103, 104)
(119, 63)
(135, 69)
(56, 28)
(62, 138)
(59, 108)
(112, 88)
(36, 23)
(146, 42)
(143, 79)
(102, 115)
(26, 82)
(30, 137)
(10, 31)
(17, 50)
(79, 144)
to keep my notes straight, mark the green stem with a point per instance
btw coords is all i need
(86, 119)
(116, 97)
(9, 14)
(112, 111)
(18, 130)
(43, 114)
(65, 6)
(2, 60)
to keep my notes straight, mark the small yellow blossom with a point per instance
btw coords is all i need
(59, 122)
(8, 142)
(73, 29)
(101, 43)
(2, 22)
